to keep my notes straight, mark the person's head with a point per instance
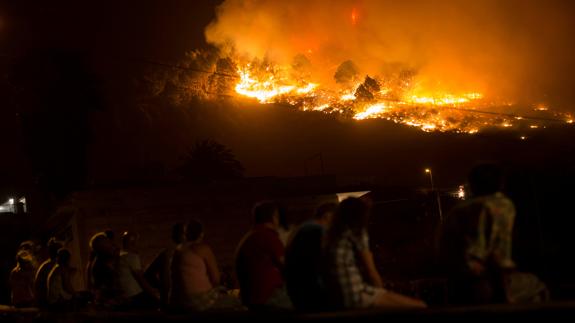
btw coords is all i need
(266, 213)
(64, 256)
(129, 240)
(24, 259)
(101, 245)
(53, 247)
(194, 231)
(110, 234)
(178, 233)
(27, 245)
(324, 214)
(485, 179)
(352, 214)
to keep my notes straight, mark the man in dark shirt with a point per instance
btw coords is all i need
(260, 262)
(303, 262)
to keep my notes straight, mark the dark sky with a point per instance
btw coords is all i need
(268, 140)
(162, 30)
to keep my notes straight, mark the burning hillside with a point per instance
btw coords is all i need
(419, 63)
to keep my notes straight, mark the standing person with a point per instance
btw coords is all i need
(476, 245)
(135, 290)
(196, 276)
(260, 262)
(158, 273)
(22, 280)
(303, 261)
(351, 276)
(60, 291)
(41, 278)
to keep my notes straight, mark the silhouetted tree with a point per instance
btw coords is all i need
(209, 160)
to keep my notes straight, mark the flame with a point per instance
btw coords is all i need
(354, 16)
(373, 111)
(265, 90)
(407, 103)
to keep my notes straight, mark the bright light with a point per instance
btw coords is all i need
(461, 192)
(427, 170)
(371, 112)
(343, 196)
(11, 201)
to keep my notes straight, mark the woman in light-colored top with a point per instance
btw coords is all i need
(352, 278)
(195, 272)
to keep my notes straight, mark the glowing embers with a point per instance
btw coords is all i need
(267, 86)
(445, 99)
(374, 111)
(394, 98)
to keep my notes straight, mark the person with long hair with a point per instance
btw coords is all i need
(350, 273)
(196, 275)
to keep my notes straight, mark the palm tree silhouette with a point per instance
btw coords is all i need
(208, 160)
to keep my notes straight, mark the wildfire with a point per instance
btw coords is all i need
(354, 16)
(397, 100)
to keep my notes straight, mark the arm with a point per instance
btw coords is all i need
(138, 273)
(366, 258)
(211, 264)
(88, 276)
(277, 252)
(152, 273)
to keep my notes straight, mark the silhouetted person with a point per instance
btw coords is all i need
(22, 280)
(102, 271)
(351, 276)
(476, 244)
(136, 291)
(32, 249)
(158, 273)
(60, 292)
(41, 279)
(304, 281)
(260, 262)
(195, 273)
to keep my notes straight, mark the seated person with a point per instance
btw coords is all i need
(351, 277)
(135, 291)
(60, 291)
(476, 246)
(158, 273)
(22, 280)
(303, 262)
(260, 262)
(196, 276)
(41, 278)
(102, 271)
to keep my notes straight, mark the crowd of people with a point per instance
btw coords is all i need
(324, 264)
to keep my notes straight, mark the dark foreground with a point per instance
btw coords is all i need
(549, 312)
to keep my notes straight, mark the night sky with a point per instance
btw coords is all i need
(132, 137)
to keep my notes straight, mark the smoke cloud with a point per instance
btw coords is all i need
(518, 49)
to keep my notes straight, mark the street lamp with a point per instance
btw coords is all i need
(428, 171)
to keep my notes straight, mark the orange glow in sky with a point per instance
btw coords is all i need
(354, 16)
